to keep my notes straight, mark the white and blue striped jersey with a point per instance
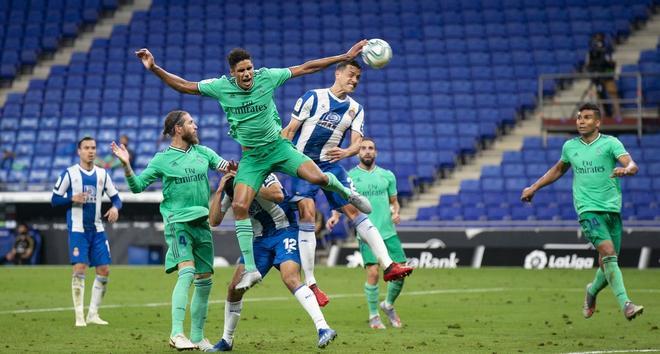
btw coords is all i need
(74, 180)
(267, 217)
(325, 119)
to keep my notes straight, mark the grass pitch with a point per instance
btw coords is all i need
(502, 310)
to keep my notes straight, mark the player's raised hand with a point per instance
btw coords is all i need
(225, 179)
(147, 58)
(112, 214)
(527, 195)
(356, 49)
(121, 153)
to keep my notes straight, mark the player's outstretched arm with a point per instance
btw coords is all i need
(173, 81)
(629, 167)
(136, 183)
(219, 204)
(313, 66)
(554, 173)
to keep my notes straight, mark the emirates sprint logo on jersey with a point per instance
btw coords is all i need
(247, 108)
(538, 259)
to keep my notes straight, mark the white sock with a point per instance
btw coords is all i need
(308, 301)
(98, 291)
(369, 234)
(232, 315)
(307, 247)
(78, 294)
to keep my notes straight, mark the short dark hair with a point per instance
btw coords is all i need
(172, 120)
(84, 139)
(341, 65)
(366, 138)
(590, 107)
(236, 56)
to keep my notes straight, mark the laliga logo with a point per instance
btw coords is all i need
(536, 260)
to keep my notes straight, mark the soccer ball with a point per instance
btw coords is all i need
(377, 53)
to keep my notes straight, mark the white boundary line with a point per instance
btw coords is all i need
(258, 299)
(619, 351)
(285, 298)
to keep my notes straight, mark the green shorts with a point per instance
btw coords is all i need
(598, 226)
(279, 155)
(394, 249)
(189, 241)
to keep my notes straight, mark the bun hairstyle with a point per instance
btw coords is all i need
(173, 119)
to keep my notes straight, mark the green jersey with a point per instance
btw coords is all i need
(185, 179)
(592, 164)
(378, 185)
(252, 115)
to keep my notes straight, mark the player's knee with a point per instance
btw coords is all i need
(103, 271)
(292, 281)
(240, 208)
(308, 215)
(319, 179)
(80, 268)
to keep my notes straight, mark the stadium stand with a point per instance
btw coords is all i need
(461, 73)
(29, 29)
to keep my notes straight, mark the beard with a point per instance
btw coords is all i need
(369, 161)
(190, 138)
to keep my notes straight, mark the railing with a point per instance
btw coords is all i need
(637, 100)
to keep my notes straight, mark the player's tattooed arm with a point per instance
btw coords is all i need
(629, 167)
(313, 66)
(554, 173)
(180, 84)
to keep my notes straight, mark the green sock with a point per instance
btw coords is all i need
(199, 308)
(372, 298)
(599, 283)
(335, 186)
(245, 235)
(393, 291)
(615, 279)
(180, 299)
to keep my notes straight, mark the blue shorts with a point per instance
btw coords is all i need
(271, 251)
(303, 189)
(90, 247)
